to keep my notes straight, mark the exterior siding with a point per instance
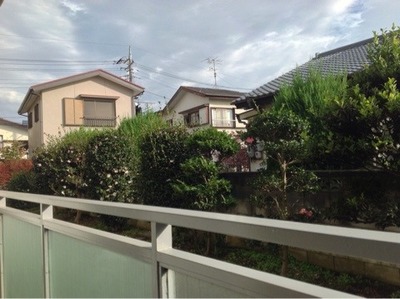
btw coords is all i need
(51, 121)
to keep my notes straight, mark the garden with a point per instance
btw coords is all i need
(319, 122)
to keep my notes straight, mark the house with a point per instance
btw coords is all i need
(92, 99)
(347, 59)
(11, 132)
(199, 107)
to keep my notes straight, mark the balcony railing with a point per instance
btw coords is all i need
(45, 257)
(99, 122)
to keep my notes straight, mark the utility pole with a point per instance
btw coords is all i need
(128, 61)
(212, 62)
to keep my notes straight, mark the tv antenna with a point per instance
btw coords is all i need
(213, 62)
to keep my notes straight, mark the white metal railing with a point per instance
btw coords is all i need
(173, 272)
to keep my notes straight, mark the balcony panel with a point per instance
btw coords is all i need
(80, 269)
(23, 262)
(187, 286)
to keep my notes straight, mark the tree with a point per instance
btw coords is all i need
(284, 136)
(199, 184)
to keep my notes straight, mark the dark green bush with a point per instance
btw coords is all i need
(60, 165)
(164, 150)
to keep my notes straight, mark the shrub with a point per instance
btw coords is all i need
(137, 128)
(164, 150)
(109, 164)
(110, 172)
(10, 167)
(23, 181)
(60, 165)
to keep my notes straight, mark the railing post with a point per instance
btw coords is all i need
(161, 238)
(3, 204)
(46, 212)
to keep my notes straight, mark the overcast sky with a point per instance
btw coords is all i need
(252, 41)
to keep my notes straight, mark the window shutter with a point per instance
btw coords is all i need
(73, 111)
(203, 115)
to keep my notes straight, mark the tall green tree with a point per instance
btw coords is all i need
(284, 136)
(200, 184)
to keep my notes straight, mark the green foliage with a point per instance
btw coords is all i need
(205, 142)
(384, 55)
(164, 150)
(200, 183)
(11, 167)
(60, 166)
(138, 127)
(366, 200)
(23, 181)
(13, 152)
(201, 187)
(285, 137)
(309, 96)
(110, 172)
(283, 134)
(109, 166)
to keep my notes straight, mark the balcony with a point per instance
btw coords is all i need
(45, 257)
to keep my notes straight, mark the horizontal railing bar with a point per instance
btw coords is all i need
(241, 279)
(22, 215)
(121, 244)
(376, 245)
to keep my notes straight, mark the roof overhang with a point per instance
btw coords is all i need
(35, 91)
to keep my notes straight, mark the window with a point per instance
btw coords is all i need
(196, 117)
(36, 113)
(30, 122)
(90, 112)
(223, 117)
(192, 119)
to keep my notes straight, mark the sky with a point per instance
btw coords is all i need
(174, 42)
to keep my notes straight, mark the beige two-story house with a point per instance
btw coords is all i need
(92, 99)
(199, 107)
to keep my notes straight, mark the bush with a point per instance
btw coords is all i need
(109, 172)
(60, 165)
(10, 167)
(23, 181)
(164, 150)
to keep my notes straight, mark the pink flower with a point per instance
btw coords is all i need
(249, 140)
(305, 212)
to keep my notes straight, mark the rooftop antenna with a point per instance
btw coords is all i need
(212, 62)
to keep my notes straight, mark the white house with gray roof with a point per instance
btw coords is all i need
(199, 107)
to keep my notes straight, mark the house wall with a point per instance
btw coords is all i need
(10, 134)
(188, 101)
(51, 122)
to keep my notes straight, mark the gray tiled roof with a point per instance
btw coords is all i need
(4, 122)
(213, 92)
(348, 59)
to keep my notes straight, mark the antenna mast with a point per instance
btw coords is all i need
(212, 62)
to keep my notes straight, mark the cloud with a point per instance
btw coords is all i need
(256, 40)
(74, 8)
